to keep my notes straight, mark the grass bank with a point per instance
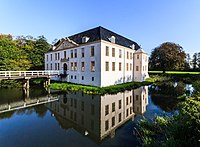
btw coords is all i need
(174, 72)
(175, 76)
(97, 90)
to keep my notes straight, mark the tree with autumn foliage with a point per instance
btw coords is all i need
(168, 56)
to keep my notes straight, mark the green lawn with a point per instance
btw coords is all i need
(97, 90)
(175, 72)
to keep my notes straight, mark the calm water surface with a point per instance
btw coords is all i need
(74, 119)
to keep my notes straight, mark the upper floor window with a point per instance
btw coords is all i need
(75, 66)
(71, 53)
(55, 56)
(138, 56)
(120, 104)
(47, 57)
(113, 52)
(120, 53)
(127, 55)
(107, 51)
(72, 66)
(51, 57)
(82, 66)
(92, 51)
(126, 100)
(82, 52)
(106, 110)
(65, 54)
(75, 53)
(113, 106)
(131, 55)
(92, 66)
(58, 56)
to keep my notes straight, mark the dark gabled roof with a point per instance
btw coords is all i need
(100, 33)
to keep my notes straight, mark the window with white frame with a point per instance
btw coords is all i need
(92, 66)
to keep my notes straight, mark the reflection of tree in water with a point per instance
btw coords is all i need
(167, 104)
(6, 115)
(40, 110)
(165, 94)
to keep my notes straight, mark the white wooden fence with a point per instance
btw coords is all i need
(20, 74)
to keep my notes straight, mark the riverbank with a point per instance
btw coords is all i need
(180, 129)
(97, 90)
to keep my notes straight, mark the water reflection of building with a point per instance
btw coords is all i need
(140, 99)
(94, 115)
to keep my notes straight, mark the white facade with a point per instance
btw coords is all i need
(140, 65)
(140, 100)
(100, 63)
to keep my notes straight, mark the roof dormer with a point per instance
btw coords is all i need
(112, 39)
(85, 39)
(133, 46)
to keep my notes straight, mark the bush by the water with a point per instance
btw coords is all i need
(182, 129)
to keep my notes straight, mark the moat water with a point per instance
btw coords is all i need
(41, 117)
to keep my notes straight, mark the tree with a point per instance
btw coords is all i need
(195, 61)
(11, 56)
(40, 48)
(198, 60)
(168, 56)
(188, 62)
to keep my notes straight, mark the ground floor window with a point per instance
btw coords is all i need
(106, 125)
(137, 68)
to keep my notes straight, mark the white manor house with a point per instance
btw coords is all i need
(97, 57)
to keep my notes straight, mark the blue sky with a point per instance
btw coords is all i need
(148, 22)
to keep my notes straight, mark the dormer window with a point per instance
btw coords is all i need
(112, 39)
(85, 39)
(133, 46)
(54, 47)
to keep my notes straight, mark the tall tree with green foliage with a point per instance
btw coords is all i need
(11, 56)
(195, 61)
(198, 60)
(188, 62)
(168, 56)
(22, 53)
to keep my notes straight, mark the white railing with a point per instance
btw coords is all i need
(32, 102)
(10, 74)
